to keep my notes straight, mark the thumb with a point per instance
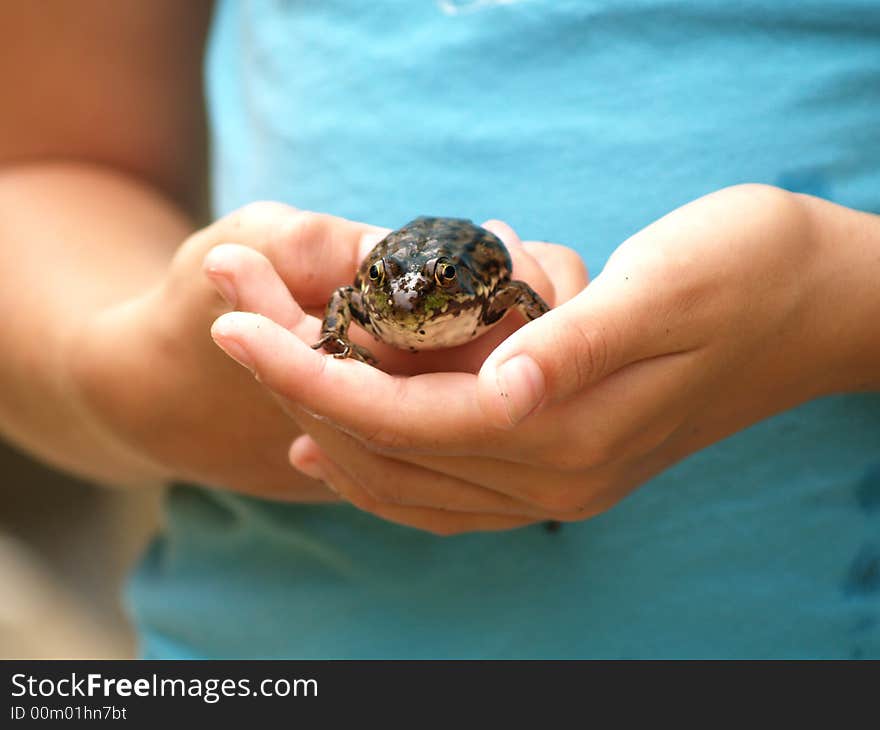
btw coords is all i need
(571, 347)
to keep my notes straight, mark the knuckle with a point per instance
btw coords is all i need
(295, 223)
(319, 368)
(578, 513)
(274, 221)
(290, 231)
(387, 491)
(304, 235)
(596, 455)
(200, 242)
(561, 502)
(570, 488)
(383, 439)
(240, 225)
(577, 265)
(571, 499)
(386, 435)
(569, 257)
(257, 261)
(587, 456)
(360, 498)
(380, 436)
(547, 458)
(590, 354)
(258, 211)
(757, 193)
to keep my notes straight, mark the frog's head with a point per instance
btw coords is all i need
(407, 288)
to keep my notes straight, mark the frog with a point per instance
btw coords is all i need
(433, 283)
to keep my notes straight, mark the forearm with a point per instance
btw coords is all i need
(74, 239)
(848, 287)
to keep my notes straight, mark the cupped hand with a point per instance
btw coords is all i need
(151, 377)
(709, 320)
(555, 272)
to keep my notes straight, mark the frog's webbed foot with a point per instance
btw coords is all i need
(344, 303)
(342, 348)
(519, 295)
(528, 301)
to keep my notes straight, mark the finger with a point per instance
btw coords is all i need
(504, 231)
(564, 267)
(607, 326)
(589, 452)
(438, 522)
(430, 411)
(245, 277)
(413, 486)
(620, 419)
(314, 253)
(250, 283)
(537, 491)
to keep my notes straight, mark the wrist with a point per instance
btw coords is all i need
(102, 379)
(847, 302)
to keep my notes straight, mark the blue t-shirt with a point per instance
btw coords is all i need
(577, 121)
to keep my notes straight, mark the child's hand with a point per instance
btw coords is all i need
(556, 272)
(723, 313)
(151, 376)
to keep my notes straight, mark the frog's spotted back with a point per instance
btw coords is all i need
(426, 235)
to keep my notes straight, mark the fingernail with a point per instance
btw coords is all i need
(225, 287)
(521, 384)
(236, 351)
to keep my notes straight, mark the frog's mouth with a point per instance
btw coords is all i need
(413, 307)
(404, 301)
(428, 329)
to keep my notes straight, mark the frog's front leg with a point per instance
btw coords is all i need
(345, 303)
(515, 294)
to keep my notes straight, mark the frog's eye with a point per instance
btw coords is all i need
(444, 273)
(376, 271)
